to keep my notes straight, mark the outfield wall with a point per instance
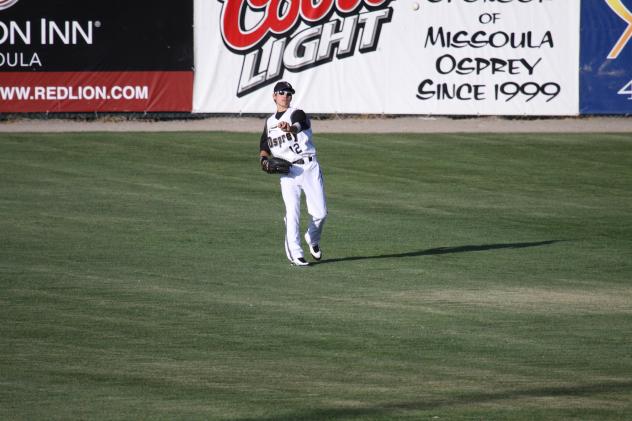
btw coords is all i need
(78, 55)
(425, 57)
(391, 57)
(606, 57)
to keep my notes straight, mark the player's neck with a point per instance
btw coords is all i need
(281, 109)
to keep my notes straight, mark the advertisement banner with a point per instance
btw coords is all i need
(442, 57)
(74, 55)
(606, 57)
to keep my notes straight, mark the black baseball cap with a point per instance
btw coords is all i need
(283, 86)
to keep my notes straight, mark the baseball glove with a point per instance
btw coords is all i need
(275, 165)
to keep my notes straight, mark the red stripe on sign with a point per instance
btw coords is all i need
(95, 91)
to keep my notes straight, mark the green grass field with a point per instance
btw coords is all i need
(465, 277)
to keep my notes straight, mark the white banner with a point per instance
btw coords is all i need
(442, 57)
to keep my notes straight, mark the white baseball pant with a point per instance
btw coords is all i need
(307, 178)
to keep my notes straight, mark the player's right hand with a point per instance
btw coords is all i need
(284, 126)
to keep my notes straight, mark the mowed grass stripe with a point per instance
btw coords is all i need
(142, 275)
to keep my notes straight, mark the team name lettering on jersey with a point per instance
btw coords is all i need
(278, 141)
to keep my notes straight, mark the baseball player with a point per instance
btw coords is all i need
(287, 134)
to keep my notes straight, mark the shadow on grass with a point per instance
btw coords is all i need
(444, 250)
(386, 409)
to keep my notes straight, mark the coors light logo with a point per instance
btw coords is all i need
(274, 35)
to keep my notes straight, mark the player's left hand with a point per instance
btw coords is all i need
(274, 165)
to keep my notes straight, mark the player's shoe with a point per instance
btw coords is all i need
(314, 249)
(299, 261)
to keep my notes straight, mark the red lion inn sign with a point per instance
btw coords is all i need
(294, 35)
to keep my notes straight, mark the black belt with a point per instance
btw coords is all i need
(304, 160)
